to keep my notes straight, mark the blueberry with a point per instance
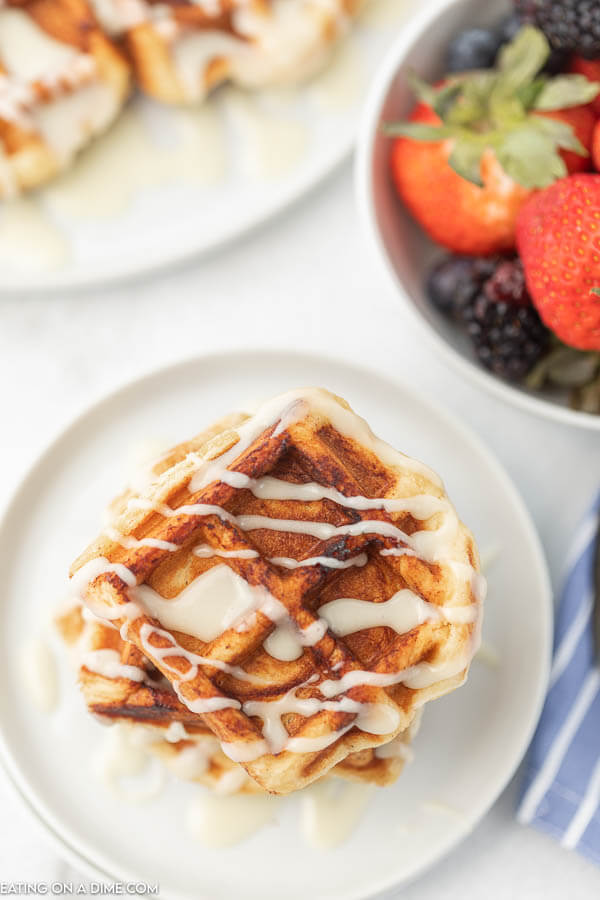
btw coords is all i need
(472, 49)
(452, 283)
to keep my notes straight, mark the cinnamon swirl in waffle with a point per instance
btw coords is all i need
(303, 587)
(62, 81)
(180, 49)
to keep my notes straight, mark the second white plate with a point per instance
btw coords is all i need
(470, 742)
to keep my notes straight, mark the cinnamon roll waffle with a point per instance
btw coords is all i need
(181, 49)
(303, 588)
(62, 81)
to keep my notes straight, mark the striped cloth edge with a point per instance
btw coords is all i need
(561, 788)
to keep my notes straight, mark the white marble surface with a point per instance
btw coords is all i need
(304, 281)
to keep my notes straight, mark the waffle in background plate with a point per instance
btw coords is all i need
(302, 586)
(62, 81)
(181, 50)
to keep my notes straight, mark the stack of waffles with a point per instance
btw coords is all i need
(276, 599)
(66, 66)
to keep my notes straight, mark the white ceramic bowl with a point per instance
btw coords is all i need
(398, 241)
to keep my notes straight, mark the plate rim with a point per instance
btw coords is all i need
(63, 842)
(50, 281)
(363, 162)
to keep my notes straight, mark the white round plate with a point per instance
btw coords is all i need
(166, 183)
(470, 742)
(398, 242)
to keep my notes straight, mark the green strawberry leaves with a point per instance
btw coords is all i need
(440, 99)
(465, 159)
(561, 133)
(498, 109)
(527, 154)
(596, 291)
(565, 367)
(566, 90)
(519, 61)
(417, 131)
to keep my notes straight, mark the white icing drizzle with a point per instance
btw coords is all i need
(323, 530)
(213, 602)
(204, 551)
(108, 663)
(268, 488)
(117, 16)
(488, 655)
(29, 54)
(123, 754)
(50, 89)
(176, 732)
(131, 543)
(91, 570)
(421, 675)
(402, 612)
(189, 763)
(39, 674)
(231, 781)
(187, 509)
(284, 644)
(221, 821)
(195, 660)
(244, 751)
(329, 562)
(331, 810)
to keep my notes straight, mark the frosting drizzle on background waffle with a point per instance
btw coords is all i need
(181, 50)
(374, 610)
(62, 82)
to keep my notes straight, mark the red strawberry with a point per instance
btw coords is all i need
(476, 146)
(558, 238)
(460, 215)
(596, 146)
(591, 69)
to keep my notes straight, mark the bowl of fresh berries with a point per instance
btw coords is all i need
(478, 178)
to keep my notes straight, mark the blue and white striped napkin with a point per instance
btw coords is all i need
(561, 792)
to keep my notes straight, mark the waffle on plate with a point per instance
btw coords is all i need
(62, 81)
(301, 587)
(181, 49)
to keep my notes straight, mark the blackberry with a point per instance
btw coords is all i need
(571, 26)
(507, 284)
(456, 280)
(508, 340)
(475, 48)
(508, 28)
(526, 10)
